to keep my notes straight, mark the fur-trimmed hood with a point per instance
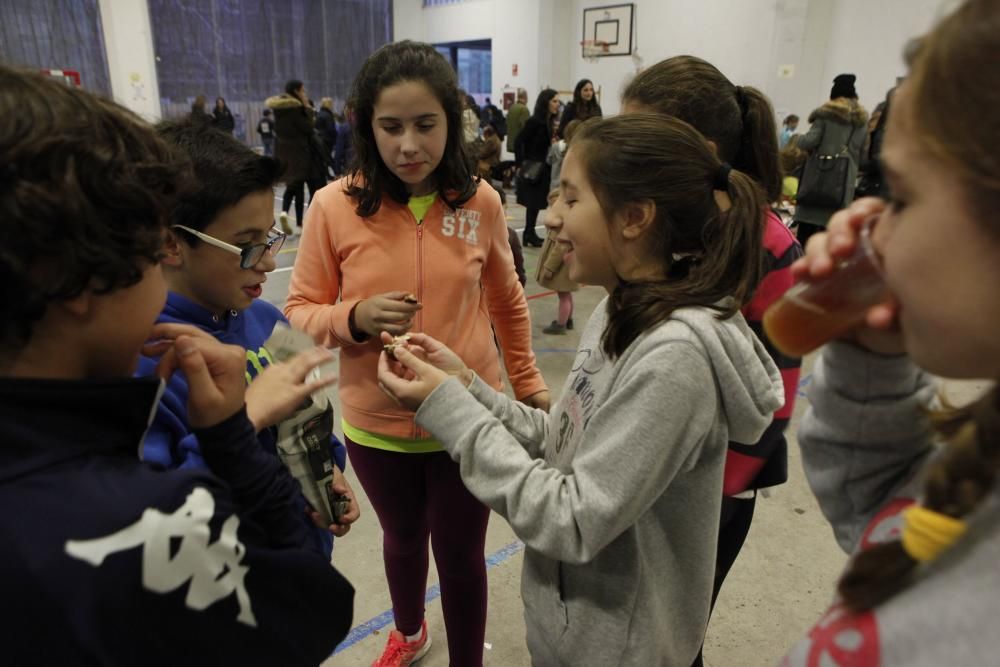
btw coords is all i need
(841, 110)
(283, 101)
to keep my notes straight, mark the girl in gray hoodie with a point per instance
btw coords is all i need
(616, 493)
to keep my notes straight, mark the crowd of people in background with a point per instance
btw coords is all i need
(317, 148)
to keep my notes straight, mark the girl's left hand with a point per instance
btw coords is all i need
(408, 389)
(541, 400)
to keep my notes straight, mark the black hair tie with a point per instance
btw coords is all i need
(722, 177)
(741, 100)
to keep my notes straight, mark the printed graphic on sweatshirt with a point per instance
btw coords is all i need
(461, 224)
(885, 526)
(256, 362)
(841, 639)
(581, 402)
(214, 570)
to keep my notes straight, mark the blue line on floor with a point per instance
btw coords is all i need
(803, 383)
(367, 628)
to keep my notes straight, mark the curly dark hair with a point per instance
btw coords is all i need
(86, 188)
(369, 178)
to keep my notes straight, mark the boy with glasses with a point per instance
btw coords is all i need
(221, 246)
(96, 544)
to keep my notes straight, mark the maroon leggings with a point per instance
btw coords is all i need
(421, 495)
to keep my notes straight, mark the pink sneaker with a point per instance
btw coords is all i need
(399, 652)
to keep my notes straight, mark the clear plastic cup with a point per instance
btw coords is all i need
(812, 313)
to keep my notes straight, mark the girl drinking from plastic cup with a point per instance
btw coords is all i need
(923, 521)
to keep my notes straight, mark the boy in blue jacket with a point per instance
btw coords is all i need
(107, 559)
(216, 288)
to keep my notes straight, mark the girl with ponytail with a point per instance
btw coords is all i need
(739, 122)
(616, 492)
(923, 587)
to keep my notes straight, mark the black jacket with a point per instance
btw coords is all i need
(296, 145)
(571, 113)
(533, 144)
(223, 119)
(108, 560)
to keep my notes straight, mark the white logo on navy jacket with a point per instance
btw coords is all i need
(197, 561)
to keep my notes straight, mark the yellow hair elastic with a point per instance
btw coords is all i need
(927, 533)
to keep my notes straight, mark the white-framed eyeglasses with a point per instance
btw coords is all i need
(249, 256)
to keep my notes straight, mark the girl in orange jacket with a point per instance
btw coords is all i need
(410, 240)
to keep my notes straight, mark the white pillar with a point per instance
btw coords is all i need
(128, 41)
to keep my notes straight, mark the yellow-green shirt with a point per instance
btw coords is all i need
(419, 206)
(389, 443)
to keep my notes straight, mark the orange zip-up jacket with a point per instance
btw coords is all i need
(458, 264)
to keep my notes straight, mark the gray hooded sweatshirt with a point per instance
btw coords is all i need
(865, 448)
(616, 493)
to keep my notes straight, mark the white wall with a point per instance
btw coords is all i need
(734, 36)
(749, 40)
(128, 42)
(472, 19)
(867, 39)
(519, 31)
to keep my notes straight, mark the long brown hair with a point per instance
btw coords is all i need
(369, 179)
(711, 258)
(738, 119)
(948, 91)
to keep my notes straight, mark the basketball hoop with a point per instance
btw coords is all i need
(594, 49)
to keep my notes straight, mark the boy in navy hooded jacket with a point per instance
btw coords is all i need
(216, 288)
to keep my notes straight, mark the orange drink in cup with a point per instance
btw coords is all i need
(814, 312)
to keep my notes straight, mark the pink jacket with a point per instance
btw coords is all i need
(457, 263)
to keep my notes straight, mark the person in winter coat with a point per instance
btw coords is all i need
(533, 146)
(265, 128)
(222, 117)
(342, 150)
(872, 182)
(553, 273)
(326, 127)
(293, 119)
(198, 110)
(583, 106)
(838, 123)
(489, 154)
(517, 116)
(470, 118)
